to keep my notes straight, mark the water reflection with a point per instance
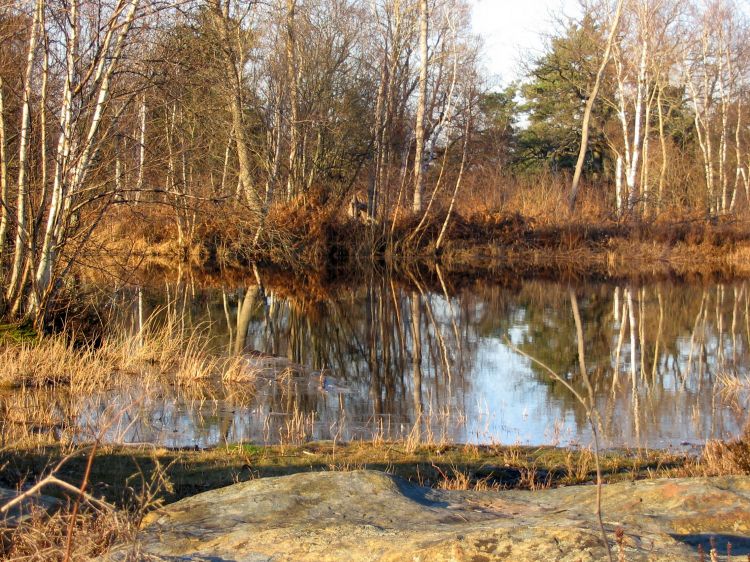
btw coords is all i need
(396, 360)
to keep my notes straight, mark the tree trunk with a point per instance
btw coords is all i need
(291, 69)
(4, 219)
(233, 65)
(663, 144)
(419, 166)
(62, 217)
(14, 288)
(590, 106)
(141, 150)
(632, 172)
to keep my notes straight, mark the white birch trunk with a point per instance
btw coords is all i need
(19, 257)
(663, 145)
(4, 217)
(294, 136)
(141, 150)
(68, 182)
(737, 155)
(419, 164)
(590, 105)
(618, 184)
(632, 172)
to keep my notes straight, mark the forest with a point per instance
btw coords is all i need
(270, 132)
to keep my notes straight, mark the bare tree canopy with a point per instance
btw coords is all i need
(266, 113)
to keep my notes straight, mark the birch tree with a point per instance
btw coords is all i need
(77, 51)
(586, 124)
(419, 137)
(232, 40)
(714, 69)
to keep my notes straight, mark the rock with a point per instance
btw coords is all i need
(22, 511)
(367, 515)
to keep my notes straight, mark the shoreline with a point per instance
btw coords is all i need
(508, 246)
(442, 466)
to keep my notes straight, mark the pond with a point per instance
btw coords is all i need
(665, 363)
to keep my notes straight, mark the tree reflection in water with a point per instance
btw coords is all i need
(394, 359)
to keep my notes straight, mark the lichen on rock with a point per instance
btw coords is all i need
(368, 516)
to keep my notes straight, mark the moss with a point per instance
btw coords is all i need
(17, 333)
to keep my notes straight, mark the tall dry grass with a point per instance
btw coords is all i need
(541, 197)
(727, 457)
(80, 526)
(43, 536)
(56, 360)
(162, 350)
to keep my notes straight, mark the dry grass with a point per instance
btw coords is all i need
(163, 351)
(43, 537)
(82, 526)
(541, 197)
(458, 479)
(55, 361)
(161, 346)
(520, 222)
(726, 458)
(51, 379)
(732, 382)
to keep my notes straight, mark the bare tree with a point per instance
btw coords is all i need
(419, 164)
(233, 48)
(590, 105)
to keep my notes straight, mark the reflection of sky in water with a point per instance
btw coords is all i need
(474, 387)
(503, 405)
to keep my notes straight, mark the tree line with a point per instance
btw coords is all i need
(668, 126)
(379, 109)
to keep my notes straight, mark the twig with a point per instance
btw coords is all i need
(590, 419)
(81, 492)
(54, 481)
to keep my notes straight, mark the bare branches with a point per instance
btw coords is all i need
(590, 104)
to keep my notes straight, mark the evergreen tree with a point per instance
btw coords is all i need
(554, 99)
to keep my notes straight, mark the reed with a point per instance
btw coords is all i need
(54, 360)
(164, 351)
(85, 527)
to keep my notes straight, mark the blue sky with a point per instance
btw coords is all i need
(511, 28)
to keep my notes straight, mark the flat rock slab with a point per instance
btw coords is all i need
(366, 515)
(21, 512)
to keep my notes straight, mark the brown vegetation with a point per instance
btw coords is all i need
(365, 134)
(544, 241)
(160, 351)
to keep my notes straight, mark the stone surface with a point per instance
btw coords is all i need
(371, 516)
(21, 512)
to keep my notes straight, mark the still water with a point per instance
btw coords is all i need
(400, 360)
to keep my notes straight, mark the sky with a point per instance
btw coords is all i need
(511, 28)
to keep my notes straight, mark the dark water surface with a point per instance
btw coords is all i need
(401, 361)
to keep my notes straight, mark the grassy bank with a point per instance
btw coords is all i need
(118, 473)
(309, 239)
(127, 483)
